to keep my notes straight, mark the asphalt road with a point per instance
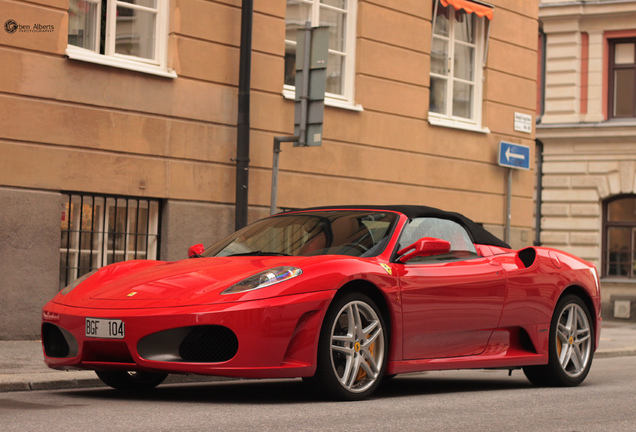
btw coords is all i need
(437, 401)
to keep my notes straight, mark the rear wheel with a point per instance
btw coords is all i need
(352, 349)
(571, 346)
(131, 381)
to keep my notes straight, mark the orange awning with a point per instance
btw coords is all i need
(470, 7)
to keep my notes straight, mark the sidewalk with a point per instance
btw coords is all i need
(22, 366)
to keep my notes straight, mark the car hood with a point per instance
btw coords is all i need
(135, 284)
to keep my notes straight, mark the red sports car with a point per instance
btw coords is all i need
(340, 296)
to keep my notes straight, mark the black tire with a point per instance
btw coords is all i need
(131, 381)
(571, 347)
(363, 344)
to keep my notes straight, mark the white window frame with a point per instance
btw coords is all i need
(156, 66)
(481, 36)
(347, 99)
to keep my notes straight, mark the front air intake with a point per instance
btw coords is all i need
(209, 344)
(54, 342)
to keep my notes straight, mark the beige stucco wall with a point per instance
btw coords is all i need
(70, 125)
(107, 130)
(587, 158)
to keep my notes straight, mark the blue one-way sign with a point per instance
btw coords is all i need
(514, 155)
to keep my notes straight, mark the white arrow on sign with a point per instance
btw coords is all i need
(509, 155)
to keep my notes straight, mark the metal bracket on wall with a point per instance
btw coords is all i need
(277, 150)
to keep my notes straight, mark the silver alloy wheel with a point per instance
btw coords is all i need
(357, 346)
(573, 340)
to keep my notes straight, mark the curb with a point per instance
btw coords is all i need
(623, 352)
(45, 381)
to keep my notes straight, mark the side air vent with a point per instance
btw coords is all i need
(527, 256)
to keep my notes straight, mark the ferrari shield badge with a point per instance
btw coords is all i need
(387, 268)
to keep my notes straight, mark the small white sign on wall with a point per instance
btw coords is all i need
(523, 122)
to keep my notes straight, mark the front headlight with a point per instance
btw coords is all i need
(77, 281)
(264, 279)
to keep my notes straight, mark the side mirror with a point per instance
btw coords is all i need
(426, 246)
(195, 251)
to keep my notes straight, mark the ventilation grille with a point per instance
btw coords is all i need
(53, 340)
(209, 344)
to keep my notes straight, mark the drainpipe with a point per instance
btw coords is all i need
(243, 122)
(537, 212)
(538, 142)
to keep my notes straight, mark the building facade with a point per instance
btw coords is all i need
(118, 124)
(588, 132)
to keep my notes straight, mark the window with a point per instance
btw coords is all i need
(462, 246)
(457, 56)
(340, 16)
(622, 78)
(130, 34)
(619, 245)
(101, 230)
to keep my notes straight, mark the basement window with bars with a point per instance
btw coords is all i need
(98, 230)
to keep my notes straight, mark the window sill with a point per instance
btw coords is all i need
(76, 53)
(437, 120)
(329, 101)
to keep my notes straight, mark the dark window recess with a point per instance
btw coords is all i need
(622, 78)
(619, 237)
(98, 230)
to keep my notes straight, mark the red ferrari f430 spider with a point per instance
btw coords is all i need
(340, 296)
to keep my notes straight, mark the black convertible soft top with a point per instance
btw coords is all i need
(477, 233)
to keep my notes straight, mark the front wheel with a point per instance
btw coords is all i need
(352, 349)
(131, 381)
(571, 346)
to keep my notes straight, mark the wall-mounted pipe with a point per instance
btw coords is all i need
(243, 121)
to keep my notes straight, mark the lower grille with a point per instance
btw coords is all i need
(209, 344)
(54, 342)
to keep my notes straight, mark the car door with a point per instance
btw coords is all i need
(451, 303)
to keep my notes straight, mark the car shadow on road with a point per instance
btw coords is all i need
(296, 391)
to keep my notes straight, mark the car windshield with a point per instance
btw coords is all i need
(354, 233)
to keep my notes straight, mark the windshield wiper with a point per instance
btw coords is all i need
(260, 253)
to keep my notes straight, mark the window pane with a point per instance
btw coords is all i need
(342, 4)
(618, 251)
(335, 72)
(297, 16)
(465, 27)
(464, 62)
(624, 53)
(633, 269)
(290, 63)
(463, 100)
(146, 3)
(83, 29)
(336, 21)
(439, 56)
(135, 33)
(437, 102)
(624, 92)
(622, 210)
(441, 21)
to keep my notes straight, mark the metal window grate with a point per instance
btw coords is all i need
(98, 230)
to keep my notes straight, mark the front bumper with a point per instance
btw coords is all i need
(272, 338)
